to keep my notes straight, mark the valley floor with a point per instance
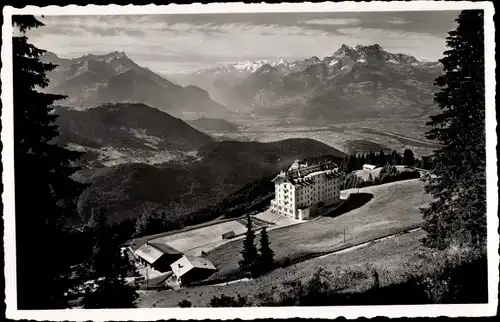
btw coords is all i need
(383, 210)
(393, 134)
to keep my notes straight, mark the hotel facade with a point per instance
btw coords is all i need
(303, 190)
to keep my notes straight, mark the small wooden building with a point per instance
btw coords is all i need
(189, 269)
(369, 166)
(158, 256)
(228, 235)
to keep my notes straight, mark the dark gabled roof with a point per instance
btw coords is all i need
(164, 248)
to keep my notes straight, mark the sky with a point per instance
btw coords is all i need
(183, 43)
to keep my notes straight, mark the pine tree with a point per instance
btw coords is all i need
(371, 158)
(45, 193)
(459, 213)
(399, 159)
(249, 253)
(108, 270)
(266, 257)
(408, 158)
(381, 157)
(343, 165)
(353, 163)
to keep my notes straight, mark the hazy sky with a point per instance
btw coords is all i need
(188, 42)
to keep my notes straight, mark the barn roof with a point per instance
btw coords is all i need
(165, 248)
(200, 262)
(187, 263)
(151, 252)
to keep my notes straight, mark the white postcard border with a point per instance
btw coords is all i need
(149, 314)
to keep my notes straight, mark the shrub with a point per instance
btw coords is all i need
(228, 301)
(185, 303)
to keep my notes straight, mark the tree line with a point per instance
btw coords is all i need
(388, 173)
(356, 161)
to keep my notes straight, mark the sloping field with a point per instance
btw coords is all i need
(393, 208)
(195, 238)
(387, 256)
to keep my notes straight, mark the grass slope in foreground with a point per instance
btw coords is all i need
(387, 256)
(393, 208)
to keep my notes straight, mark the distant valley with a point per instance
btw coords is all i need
(121, 133)
(127, 190)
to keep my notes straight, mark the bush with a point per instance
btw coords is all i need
(185, 303)
(228, 301)
(457, 275)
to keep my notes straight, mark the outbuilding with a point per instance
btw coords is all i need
(157, 256)
(228, 235)
(369, 166)
(191, 268)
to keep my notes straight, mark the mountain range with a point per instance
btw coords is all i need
(93, 80)
(354, 82)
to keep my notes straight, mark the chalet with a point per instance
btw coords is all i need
(368, 167)
(157, 256)
(191, 268)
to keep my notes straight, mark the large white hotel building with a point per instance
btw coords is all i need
(304, 189)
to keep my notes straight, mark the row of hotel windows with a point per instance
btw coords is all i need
(311, 199)
(313, 190)
(302, 195)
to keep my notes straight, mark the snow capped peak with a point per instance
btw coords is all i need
(249, 66)
(266, 68)
(375, 47)
(344, 50)
(114, 55)
(246, 66)
(313, 60)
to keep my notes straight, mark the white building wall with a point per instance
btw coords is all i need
(289, 197)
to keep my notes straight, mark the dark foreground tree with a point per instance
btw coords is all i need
(458, 182)
(108, 269)
(44, 192)
(381, 158)
(266, 257)
(249, 254)
(408, 158)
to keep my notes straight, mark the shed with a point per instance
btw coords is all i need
(369, 166)
(228, 235)
(191, 268)
(158, 256)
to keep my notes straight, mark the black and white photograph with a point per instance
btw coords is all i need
(270, 157)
